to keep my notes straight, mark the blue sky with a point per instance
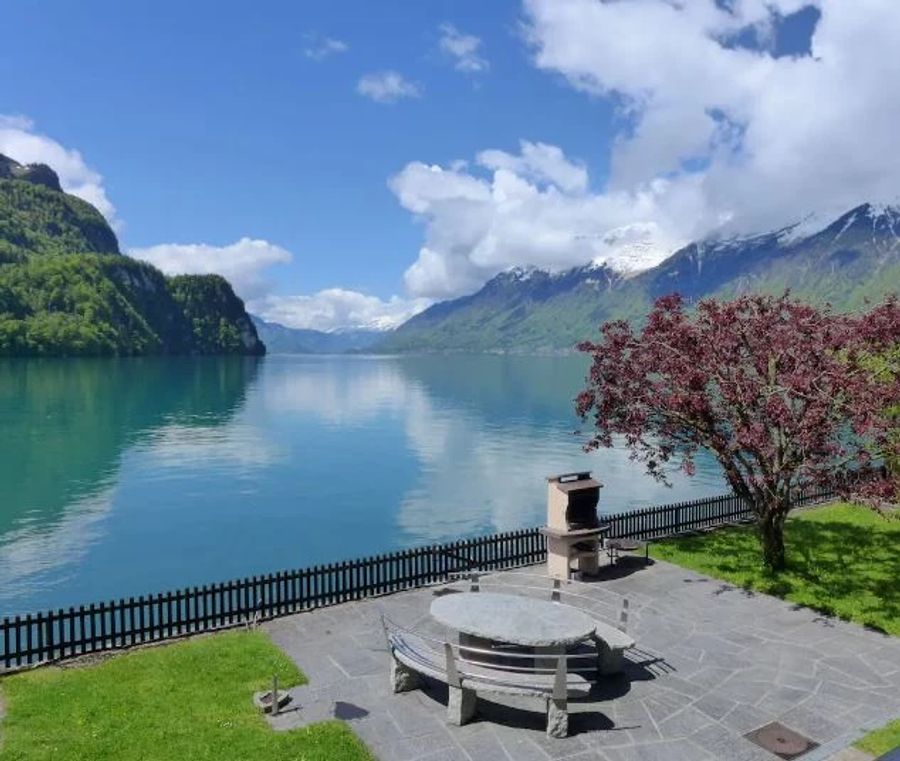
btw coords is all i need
(212, 122)
(209, 123)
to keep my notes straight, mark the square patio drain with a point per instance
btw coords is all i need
(783, 742)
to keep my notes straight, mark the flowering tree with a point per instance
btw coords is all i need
(879, 329)
(781, 393)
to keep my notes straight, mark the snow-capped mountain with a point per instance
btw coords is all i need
(632, 248)
(880, 215)
(280, 339)
(843, 262)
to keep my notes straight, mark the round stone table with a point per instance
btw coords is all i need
(513, 619)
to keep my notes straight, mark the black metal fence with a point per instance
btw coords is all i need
(65, 633)
(696, 515)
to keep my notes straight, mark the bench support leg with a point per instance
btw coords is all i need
(403, 679)
(557, 718)
(610, 660)
(460, 705)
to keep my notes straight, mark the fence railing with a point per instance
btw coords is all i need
(69, 632)
(695, 515)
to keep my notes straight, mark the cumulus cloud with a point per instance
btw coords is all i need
(387, 87)
(528, 208)
(540, 162)
(770, 139)
(247, 264)
(463, 49)
(335, 308)
(243, 263)
(319, 48)
(21, 141)
(715, 136)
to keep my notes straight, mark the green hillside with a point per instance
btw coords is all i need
(37, 220)
(854, 259)
(66, 290)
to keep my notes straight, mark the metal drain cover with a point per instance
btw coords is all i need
(783, 742)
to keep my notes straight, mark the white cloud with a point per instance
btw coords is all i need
(532, 208)
(774, 138)
(20, 141)
(319, 48)
(387, 87)
(246, 265)
(712, 137)
(335, 308)
(539, 162)
(243, 263)
(463, 49)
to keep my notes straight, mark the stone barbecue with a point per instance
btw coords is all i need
(574, 533)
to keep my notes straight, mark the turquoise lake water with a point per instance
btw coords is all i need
(123, 477)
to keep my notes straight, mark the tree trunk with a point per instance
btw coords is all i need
(771, 536)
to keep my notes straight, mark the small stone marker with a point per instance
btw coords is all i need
(271, 701)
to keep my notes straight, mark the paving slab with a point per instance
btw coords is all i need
(711, 663)
(851, 754)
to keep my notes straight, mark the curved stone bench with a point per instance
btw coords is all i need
(611, 646)
(414, 656)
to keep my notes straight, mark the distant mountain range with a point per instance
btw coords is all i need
(855, 258)
(280, 339)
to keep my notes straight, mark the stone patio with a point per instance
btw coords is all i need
(712, 663)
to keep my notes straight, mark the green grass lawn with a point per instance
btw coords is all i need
(881, 740)
(188, 700)
(842, 559)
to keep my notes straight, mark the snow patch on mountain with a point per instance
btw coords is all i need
(885, 216)
(812, 223)
(847, 225)
(631, 249)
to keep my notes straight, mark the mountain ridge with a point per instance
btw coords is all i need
(280, 339)
(853, 258)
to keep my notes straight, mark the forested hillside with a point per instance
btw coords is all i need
(66, 290)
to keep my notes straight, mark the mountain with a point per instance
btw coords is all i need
(522, 308)
(855, 258)
(66, 289)
(280, 339)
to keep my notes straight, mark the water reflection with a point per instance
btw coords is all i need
(34, 557)
(490, 433)
(484, 431)
(66, 425)
(123, 477)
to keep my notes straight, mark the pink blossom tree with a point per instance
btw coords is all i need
(780, 392)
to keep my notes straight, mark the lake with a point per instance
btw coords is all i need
(121, 477)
